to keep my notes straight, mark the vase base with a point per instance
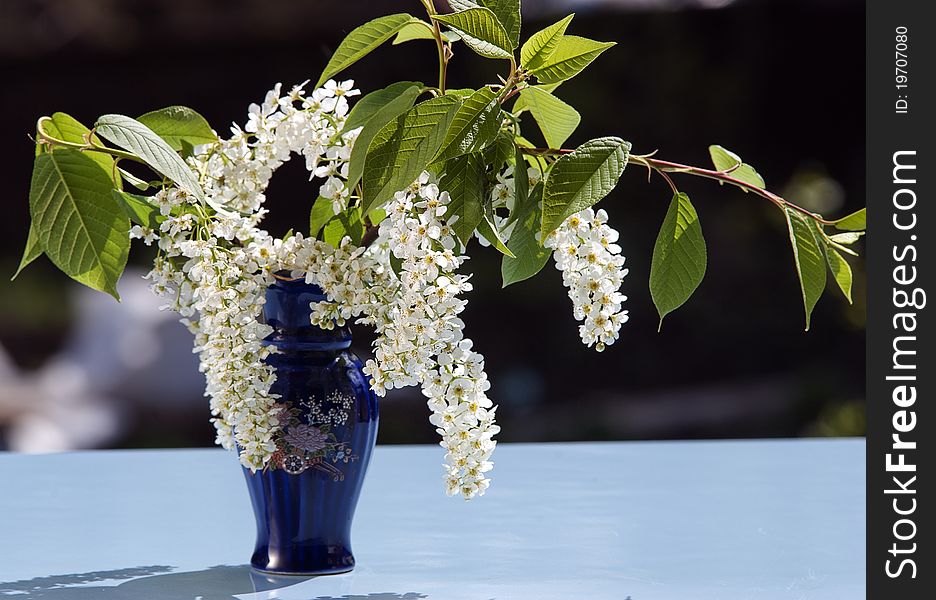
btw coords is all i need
(315, 573)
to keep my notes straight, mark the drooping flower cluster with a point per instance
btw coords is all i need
(415, 313)
(585, 250)
(214, 268)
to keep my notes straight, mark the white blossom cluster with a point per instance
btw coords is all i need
(585, 250)
(237, 170)
(415, 313)
(214, 269)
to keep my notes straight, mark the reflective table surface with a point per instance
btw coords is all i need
(758, 520)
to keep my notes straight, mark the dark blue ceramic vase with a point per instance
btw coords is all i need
(304, 501)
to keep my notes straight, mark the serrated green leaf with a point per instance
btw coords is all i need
(570, 57)
(135, 137)
(178, 125)
(31, 252)
(474, 126)
(402, 149)
(368, 106)
(508, 13)
(420, 30)
(809, 259)
(80, 225)
(414, 30)
(460, 5)
(725, 160)
(488, 231)
(556, 119)
(846, 238)
(536, 51)
(841, 271)
(679, 257)
(521, 188)
(464, 181)
(857, 221)
(529, 255)
(322, 212)
(139, 209)
(66, 128)
(362, 41)
(344, 224)
(500, 152)
(582, 178)
(387, 113)
(481, 31)
(376, 216)
(133, 180)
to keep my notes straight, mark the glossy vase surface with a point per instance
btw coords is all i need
(304, 501)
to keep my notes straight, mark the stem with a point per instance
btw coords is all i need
(664, 167)
(440, 44)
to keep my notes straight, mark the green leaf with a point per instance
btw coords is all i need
(500, 152)
(556, 119)
(67, 129)
(809, 260)
(841, 271)
(464, 181)
(402, 149)
(368, 106)
(344, 224)
(508, 13)
(582, 178)
(384, 115)
(178, 124)
(420, 30)
(481, 31)
(536, 51)
(847, 238)
(82, 228)
(31, 252)
(857, 221)
(679, 257)
(726, 160)
(376, 216)
(322, 212)
(361, 41)
(529, 256)
(133, 180)
(135, 137)
(521, 187)
(474, 126)
(417, 29)
(460, 5)
(488, 231)
(571, 55)
(140, 209)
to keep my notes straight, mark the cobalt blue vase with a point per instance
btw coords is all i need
(304, 500)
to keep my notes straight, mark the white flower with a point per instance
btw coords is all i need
(592, 268)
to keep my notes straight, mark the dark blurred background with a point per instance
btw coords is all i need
(781, 82)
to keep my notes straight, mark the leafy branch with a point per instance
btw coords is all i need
(468, 138)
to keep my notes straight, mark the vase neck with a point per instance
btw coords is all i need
(288, 310)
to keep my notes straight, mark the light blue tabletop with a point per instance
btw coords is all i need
(759, 520)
